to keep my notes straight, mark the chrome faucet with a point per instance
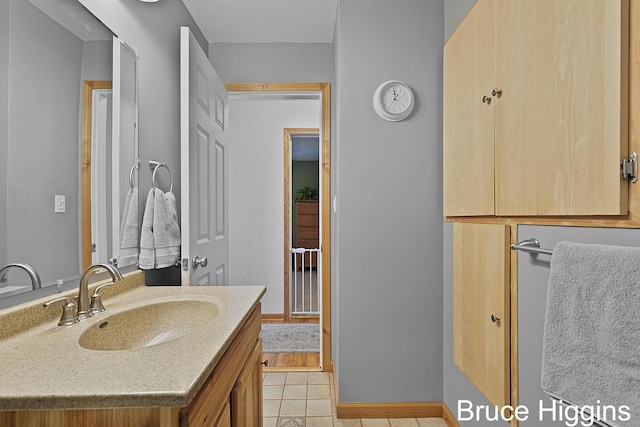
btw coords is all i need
(35, 278)
(84, 310)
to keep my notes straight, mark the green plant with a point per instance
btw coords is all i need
(307, 193)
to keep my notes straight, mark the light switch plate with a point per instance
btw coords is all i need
(60, 204)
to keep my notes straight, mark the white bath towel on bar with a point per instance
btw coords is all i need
(166, 232)
(591, 349)
(129, 235)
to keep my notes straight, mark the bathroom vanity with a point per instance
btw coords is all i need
(158, 356)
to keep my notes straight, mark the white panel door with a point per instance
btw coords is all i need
(203, 121)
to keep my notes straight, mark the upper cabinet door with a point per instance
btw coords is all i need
(468, 128)
(561, 120)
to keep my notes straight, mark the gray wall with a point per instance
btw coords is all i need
(272, 62)
(42, 143)
(388, 287)
(454, 13)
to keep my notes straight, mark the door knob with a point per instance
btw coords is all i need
(486, 100)
(496, 92)
(197, 262)
(494, 318)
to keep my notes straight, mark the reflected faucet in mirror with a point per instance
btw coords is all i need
(84, 310)
(33, 274)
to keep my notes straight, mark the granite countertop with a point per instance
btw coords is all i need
(45, 367)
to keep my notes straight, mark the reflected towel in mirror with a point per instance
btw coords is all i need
(160, 236)
(129, 229)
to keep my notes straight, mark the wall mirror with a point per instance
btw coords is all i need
(68, 144)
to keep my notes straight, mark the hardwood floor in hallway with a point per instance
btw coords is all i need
(291, 361)
(278, 362)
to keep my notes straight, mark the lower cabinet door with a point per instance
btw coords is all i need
(481, 307)
(246, 396)
(224, 420)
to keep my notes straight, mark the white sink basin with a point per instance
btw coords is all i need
(148, 325)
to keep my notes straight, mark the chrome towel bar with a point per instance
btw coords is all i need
(532, 246)
(154, 165)
(131, 177)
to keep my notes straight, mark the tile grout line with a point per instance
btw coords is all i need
(298, 385)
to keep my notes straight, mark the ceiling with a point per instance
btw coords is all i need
(75, 18)
(251, 21)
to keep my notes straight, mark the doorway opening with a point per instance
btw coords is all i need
(303, 270)
(96, 140)
(322, 92)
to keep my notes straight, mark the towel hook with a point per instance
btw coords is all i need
(154, 165)
(133, 169)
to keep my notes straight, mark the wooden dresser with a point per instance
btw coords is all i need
(307, 229)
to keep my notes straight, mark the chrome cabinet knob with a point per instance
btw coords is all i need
(197, 262)
(494, 318)
(486, 99)
(496, 92)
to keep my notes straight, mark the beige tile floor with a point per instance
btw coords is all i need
(306, 399)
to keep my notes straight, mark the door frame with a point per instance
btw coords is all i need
(325, 177)
(88, 86)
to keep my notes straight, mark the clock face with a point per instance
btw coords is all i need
(396, 99)
(393, 100)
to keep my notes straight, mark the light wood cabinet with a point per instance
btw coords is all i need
(218, 396)
(481, 307)
(246, 397)
(469, 75)
(559, 113)
(231, 396)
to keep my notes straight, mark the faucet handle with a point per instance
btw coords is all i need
(96, 305)
(68, 311)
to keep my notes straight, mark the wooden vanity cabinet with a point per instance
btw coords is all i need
(536, 109)
(246, 396)
(231, 396)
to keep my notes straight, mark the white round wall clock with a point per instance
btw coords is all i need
(393, 100)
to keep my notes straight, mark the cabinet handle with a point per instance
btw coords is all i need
(494, 318)
(496, 92)
(486, 100)
(265, 363)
